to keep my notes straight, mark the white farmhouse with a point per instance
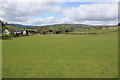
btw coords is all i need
(6, 31)
(24, 32)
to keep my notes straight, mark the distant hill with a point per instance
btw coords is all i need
(19, 25)
(64, 26)
(52, 26)
(55, 26)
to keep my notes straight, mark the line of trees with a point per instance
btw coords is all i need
(44, 30)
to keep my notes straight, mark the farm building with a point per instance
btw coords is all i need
(6, 31)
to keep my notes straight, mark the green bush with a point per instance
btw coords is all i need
(6, 36)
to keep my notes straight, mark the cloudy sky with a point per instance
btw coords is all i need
(39, 12)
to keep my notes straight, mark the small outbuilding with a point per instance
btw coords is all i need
(6, 31)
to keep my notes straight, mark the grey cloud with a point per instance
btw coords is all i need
(93, 12)
(14, 11)
(23, 12)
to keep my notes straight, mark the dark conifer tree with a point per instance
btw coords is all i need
(118, 24)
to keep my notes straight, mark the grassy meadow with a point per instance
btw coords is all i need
(61, 56)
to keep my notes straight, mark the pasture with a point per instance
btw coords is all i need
(61, 56)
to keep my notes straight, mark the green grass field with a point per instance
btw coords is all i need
(61, 56)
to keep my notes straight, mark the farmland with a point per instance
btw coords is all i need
(61, 56)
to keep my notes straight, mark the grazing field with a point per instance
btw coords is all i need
(61, 56)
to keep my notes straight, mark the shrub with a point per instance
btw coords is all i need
(6, 36)
(58, 31)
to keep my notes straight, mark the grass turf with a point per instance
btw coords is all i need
(61, 56)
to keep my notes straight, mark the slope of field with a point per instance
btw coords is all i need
(61, 56)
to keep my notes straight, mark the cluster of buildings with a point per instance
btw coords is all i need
(20, 32)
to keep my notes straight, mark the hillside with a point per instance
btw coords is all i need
(18, 25)
(51, 26)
